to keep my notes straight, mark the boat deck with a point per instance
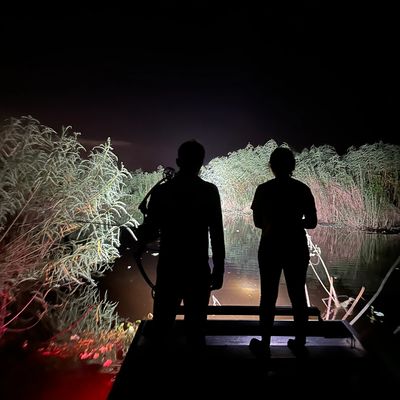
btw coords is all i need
(336, 360)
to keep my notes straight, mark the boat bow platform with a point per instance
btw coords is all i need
(336, 361)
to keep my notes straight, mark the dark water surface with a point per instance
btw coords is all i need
(353, 259)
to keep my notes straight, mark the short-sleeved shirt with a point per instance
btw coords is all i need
(187, 211)
(282, 208)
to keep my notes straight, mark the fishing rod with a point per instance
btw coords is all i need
(143, 233)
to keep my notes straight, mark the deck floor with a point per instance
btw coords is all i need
(336, 364)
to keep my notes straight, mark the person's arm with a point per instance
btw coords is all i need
(217, 244)
(310, 219)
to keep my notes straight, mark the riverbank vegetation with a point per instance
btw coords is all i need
(62, 209)
(360, 189)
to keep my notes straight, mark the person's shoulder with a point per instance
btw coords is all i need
(159, 190)
(267, 184)
(298, 181)
(209, 189)
(300, 184)
(264, 188)
(208, 185)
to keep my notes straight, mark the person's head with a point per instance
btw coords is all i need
(282, 162)
(190, 156)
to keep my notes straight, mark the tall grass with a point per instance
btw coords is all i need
(137, 185)
(238, 174)
(60, 219)
(358, 190)
(375, 169)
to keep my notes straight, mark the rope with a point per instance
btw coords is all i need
(331, 292)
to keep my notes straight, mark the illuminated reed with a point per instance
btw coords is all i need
(359, 189)
(60, 219)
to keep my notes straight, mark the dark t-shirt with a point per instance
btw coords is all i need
(187, 211)
(282, 208)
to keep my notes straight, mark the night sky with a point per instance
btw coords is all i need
(154, 75)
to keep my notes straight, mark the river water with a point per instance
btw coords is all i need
(356, 261)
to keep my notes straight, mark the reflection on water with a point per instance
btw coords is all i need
(354, 259)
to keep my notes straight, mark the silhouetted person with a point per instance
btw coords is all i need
(187, 212)
(282, 208)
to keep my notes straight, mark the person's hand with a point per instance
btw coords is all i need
(217, 280)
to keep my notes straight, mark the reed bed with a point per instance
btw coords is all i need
(61, 211)
(359, 189)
